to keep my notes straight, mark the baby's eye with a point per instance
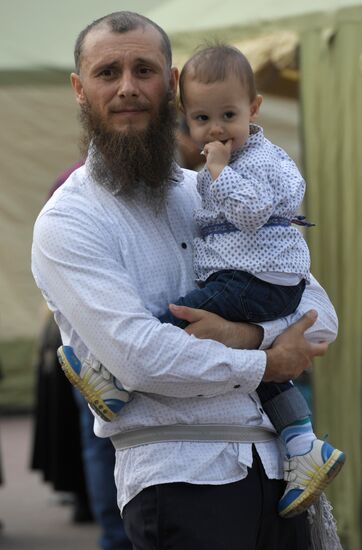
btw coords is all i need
(201, 118)
(229, 115)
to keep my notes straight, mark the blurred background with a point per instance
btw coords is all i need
(307, 57)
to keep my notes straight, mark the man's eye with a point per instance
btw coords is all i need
(228, 115)
(107, 73)
(144, 71)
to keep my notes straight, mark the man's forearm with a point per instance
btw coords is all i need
(206, 325)
(242, 336)
(289, 356)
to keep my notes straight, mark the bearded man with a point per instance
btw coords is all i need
(111, 249)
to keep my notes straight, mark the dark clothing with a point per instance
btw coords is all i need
(56, 446)
(98, 459)
(236, 516)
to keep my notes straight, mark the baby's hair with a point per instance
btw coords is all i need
(215, 63)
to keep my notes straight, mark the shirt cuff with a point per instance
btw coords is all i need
(272, 329)
(250, 369)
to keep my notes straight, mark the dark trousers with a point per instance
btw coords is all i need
(239, 296)
(236, 516)
(98, 459)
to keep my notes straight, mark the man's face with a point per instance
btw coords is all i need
(124, 78)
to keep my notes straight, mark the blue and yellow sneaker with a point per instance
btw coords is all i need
(307, 476)
(100, 388)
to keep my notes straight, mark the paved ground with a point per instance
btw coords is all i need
(31, 517)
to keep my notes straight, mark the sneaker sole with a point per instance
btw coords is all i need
(316, 486)
(91, 396)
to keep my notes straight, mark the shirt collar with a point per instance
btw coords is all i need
(255, 135)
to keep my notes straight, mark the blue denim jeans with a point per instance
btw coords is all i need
(99, 458)
(240, 296)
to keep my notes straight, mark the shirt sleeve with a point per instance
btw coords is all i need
(324, 329)
(246, 200)
(78, 270)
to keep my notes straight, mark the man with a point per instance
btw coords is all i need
(111, 249)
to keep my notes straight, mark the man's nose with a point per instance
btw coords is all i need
(128, 86)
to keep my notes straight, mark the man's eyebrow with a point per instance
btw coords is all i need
(146, 61)
(115, 63)
(104, 65)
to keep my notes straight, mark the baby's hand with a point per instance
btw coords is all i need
(217, 156)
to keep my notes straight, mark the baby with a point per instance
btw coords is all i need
(250, 263)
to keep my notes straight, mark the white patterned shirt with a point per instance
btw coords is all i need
(107, 267)
(260, 182)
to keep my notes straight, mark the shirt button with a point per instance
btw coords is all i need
(237, 386)
(184, 245)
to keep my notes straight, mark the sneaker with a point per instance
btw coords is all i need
(101, 390)
(307, 476)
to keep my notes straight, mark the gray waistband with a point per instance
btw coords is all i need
(201, 432)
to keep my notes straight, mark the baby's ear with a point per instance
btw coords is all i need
(255, 107)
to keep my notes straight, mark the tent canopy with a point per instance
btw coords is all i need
(188, 16)
(190, 23)
(40, 34)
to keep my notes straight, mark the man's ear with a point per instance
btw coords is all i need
(255, 107)
(77, 87)
(173, 82)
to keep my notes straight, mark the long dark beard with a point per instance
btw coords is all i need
(132, 164)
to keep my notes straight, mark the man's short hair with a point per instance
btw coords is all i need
(216, 63)
(122, 22)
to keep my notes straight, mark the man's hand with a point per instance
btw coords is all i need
(217, 156)
(204, 324)
(291, 353)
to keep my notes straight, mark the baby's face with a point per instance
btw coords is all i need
(218, 111)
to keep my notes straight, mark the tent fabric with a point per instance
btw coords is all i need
(277, 48)
(331, 67)
(188, 16)
(190, 23)
(39, 140)
(41, 34)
